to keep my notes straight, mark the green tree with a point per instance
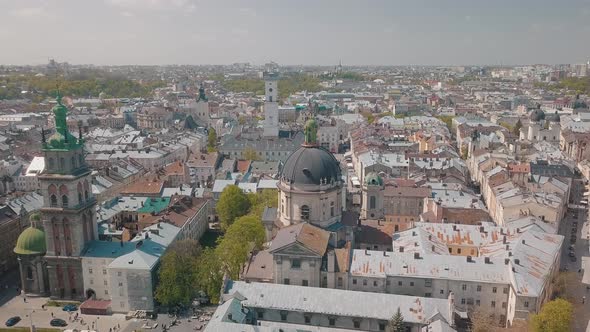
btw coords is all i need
(177, 273)
(516, 129)
(555, 316)
(261, 200)
(232, 204)
(250, 154)
(212, 140)
(396, 323)
(507, 126)
(246, 234)
(448, 120)
(209, 275)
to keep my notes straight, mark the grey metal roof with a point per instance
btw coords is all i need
(311, 165)
(341, 303)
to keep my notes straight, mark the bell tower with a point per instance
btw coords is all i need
(271, 105)
(68, 213)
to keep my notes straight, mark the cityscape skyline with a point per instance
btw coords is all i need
(156, 32)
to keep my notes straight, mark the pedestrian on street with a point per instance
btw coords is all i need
(52, 315)
(583, 299)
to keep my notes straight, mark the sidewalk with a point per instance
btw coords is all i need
(41, 317)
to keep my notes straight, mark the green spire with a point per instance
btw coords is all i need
(60, 112)
(202, 95)
(62, 139)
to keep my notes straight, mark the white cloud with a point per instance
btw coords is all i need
(239, 32)
(30, 12)
(127, 14)
(153, 4)
(247, 12)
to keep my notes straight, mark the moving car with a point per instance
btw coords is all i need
(572, 254)
(57, 322)
(12, 321)
(573, 259)
(70, 307)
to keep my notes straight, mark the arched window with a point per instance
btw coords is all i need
(372, 202)
(80, 198)
(53, 201)
(73, 162)
(80, 160)
(62, 163)
(304, 212)
(29, 273)
(50, 163)
(86, 194)
(64, 201)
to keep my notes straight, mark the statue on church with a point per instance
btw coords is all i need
(311, 132)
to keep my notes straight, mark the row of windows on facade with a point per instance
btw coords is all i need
(356, 322)
(83, 194)
(427, 283)
(305, 211)
(104, 272)
(267, 153)
(62, 162)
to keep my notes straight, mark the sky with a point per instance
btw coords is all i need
(295, 32)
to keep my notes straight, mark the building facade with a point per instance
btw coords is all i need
(68, 213)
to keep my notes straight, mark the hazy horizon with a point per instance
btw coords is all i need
(305, 32)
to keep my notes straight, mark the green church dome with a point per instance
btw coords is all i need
(372, 179)
(31, 242)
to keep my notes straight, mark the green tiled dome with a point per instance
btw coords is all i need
(372, 179)
(31, 242)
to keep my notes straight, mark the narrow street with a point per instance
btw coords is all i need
(576, 226)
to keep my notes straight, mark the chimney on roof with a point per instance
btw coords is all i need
(367, 252)
(429, 237)
(482, 229)
(455, 227)
(469, 259)
(401, 249)
(517, 261)
(413, 233)
(504, 239)
(523, 241)
(487, 260)
(506, 261)
(416, 255)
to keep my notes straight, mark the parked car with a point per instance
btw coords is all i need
(575, 224)
(57, 322)
(573, 240)
(572, 254)
(573, 259)
(12, 321)
(70, 307)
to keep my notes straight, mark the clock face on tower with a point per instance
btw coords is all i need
(270, 90)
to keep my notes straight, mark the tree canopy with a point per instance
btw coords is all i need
(261, 200)
(212, 140)
(555, 316)
(396, 323)
(40, 87)
(232, 204)
(177, 273)
(250, 154)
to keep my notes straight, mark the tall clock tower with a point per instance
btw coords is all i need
(68, 213)
(271, 105)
